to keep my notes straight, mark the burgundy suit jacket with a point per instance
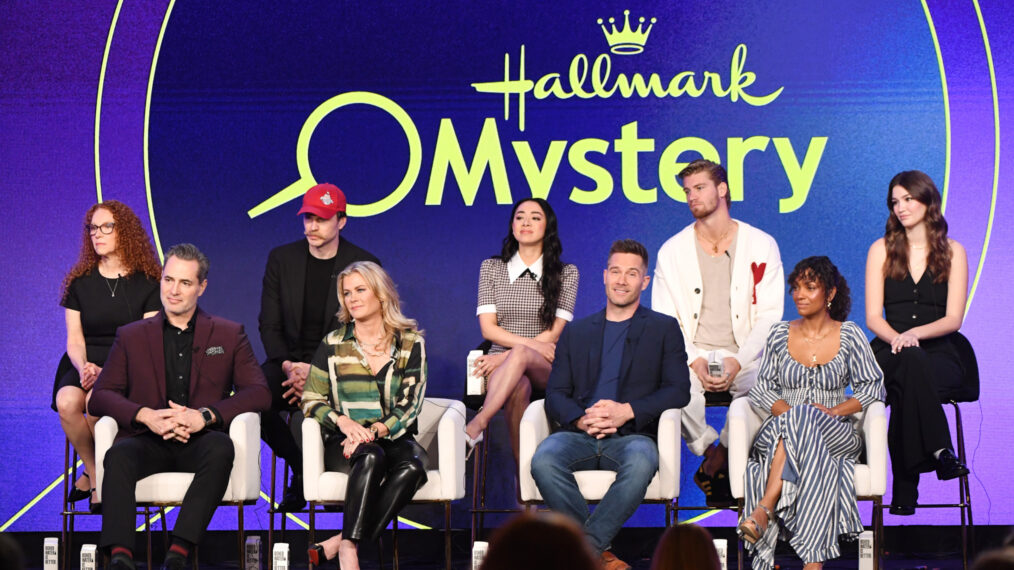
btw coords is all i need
(223, 363)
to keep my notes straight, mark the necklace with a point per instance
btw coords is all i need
(714, 244)
(812, 340)
(374, 350)
(112, 288)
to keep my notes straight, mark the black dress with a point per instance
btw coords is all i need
(105, 305)
(917, 380)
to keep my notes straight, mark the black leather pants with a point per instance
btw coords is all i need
(383, 477)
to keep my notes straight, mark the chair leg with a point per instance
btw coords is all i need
(271, 506)
(394, 538)
(739, 540)
(241, 535)
(964, 495)
(64, 546)
(878, 529)
(147, 531)
(447, 535)
(313, 525)
(475, 496)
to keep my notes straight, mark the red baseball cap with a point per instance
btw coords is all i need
(323, 201)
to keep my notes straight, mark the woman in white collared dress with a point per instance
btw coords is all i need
(526, 296)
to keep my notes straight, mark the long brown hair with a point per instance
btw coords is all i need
(132, 245)
(938, 256)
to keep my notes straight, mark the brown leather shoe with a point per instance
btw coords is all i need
(611, 562)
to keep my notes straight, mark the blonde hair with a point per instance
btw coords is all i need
(383, 287)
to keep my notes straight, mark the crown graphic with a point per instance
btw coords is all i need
(626, 41)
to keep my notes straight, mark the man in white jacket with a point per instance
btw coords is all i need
(723, 281)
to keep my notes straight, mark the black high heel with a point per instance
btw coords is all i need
(76, 494)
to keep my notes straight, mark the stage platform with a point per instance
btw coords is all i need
(907, 547)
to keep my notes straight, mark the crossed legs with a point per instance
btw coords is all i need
(510, 387)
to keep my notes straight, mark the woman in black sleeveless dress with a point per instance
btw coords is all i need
(114, 282)
(916, 288)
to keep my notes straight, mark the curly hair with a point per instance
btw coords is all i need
(938, 257)
(133, 245)
(820, 269)
(552, 267)
(382, 286)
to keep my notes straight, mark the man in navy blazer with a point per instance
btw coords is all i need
(614, 374)
(173, 383)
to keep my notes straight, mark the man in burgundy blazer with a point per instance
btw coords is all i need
(167, 383)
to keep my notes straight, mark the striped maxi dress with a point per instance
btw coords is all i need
(818, 500)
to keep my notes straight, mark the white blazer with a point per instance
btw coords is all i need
(757, 289)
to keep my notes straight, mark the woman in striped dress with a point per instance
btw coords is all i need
(800, 475)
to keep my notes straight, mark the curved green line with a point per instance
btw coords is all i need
(701, 516)
(996, 155)
(98, 97)
(147, 119)
(947, 106)
(291, 516)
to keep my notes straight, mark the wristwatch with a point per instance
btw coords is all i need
(209, 417)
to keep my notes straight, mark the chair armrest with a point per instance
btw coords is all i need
(451, 448)
(245, 433)
(874, 429)
(313, 459)
(669, 453)
(744, 423)
(105, 433)
(534, 429)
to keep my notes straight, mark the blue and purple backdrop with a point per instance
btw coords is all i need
(210, 118)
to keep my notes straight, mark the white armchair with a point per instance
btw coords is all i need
(162, 489)
(664, 486)
(441, 426)
(870, 477)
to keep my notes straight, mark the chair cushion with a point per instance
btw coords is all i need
(169, 487)
(332, 487)
(864, 480)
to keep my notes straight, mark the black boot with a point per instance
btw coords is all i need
(949, 467)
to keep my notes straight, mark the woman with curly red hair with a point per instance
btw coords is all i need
(916, 287)
(114, 282)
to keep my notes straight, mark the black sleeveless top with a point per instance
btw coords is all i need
(908, 304)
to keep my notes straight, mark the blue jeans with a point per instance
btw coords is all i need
(633, 457)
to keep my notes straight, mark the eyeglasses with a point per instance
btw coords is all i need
(106, 228)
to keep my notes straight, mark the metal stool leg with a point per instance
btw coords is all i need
(271, 506)
(394, 538)
(964, 494)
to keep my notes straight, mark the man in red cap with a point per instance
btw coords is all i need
(299, 303)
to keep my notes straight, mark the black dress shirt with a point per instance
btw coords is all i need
(179, 348)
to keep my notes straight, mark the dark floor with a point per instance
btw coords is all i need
(905, 548)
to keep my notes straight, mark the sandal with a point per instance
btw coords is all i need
(753, 533)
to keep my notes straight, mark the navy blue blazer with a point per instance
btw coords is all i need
(653, 372)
